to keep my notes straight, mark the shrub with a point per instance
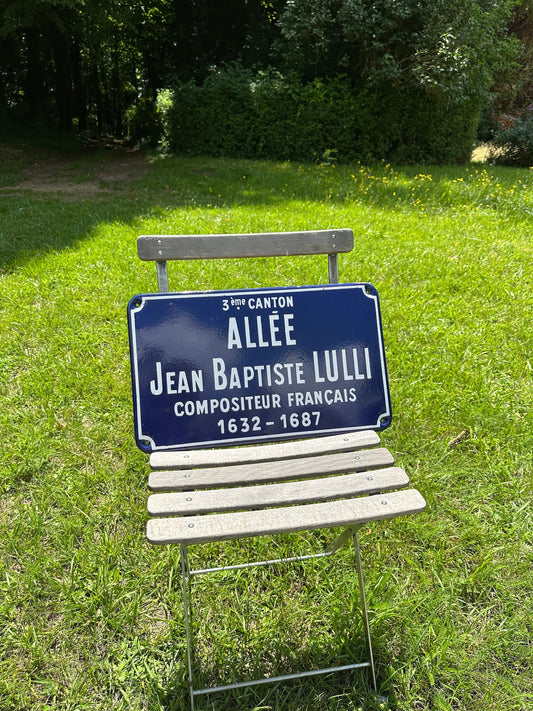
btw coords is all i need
(212, 119)
(300, 121)
(236, 113)
(143, 121)
(513, 140)
(432, 129)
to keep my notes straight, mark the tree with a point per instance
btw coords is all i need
(64, 60)
(70, 63)
(454, 47)
(514, 90)
(32, 32)
(61, 47)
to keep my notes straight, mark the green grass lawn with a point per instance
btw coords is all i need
(90, 614)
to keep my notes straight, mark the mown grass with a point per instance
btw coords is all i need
(90, 615)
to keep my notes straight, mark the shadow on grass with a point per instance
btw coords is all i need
(274, 623)
(340, 691)
(35, 222)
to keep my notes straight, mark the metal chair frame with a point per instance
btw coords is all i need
(187, 574)
(162, 248)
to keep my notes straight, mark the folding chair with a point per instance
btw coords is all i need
(287, 465)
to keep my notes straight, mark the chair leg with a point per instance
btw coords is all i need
(187, 616)
(364, 609)
(186, 576)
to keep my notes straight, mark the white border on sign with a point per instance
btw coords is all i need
(294, 434)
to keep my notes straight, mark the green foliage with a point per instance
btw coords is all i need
(236, 113)
(365, 39)
(212, 119)
(144, 121)
(513, 91)
(271, 115)
(413, 127)
(97, 68)
(513, 140)
(84, 64)
(301, 121)
(427, 66)
(451, 47)
(463, 46)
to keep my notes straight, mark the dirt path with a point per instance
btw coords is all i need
(81, 176)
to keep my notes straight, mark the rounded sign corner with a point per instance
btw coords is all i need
(384, 421)
(370, 290)
(146, 444)
(136, 303)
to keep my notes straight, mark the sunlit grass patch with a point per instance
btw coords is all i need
(91, 615)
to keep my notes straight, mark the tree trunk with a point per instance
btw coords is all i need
(34, 84)
(78, 88)
(63, 81)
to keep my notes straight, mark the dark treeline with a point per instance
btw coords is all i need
(92, 66)
(65, 62)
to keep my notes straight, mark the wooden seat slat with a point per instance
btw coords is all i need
(187, 459)
(263, 472)
(226, 526)
(248, 497)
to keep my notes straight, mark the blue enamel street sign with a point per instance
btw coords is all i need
(225, 367)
